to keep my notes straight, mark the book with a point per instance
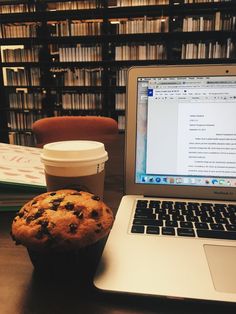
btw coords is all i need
(21, 175)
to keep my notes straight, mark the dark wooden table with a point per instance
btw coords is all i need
(22, 291)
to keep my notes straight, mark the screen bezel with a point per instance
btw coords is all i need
(211, 192)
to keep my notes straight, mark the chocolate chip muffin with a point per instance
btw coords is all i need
(61, 221)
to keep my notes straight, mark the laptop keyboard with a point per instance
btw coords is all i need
(189, 219)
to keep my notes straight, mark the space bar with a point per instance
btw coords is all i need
(230, 235)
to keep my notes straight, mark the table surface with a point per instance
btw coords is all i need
(23, 291)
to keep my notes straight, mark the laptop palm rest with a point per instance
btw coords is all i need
(221, 260)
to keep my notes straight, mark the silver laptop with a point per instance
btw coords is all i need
(175, 231)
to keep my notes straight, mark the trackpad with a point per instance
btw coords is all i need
(221, 261)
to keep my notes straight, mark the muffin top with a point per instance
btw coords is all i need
(62, 220)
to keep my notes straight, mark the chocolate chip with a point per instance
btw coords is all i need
(29, 219)
(58, 200)
(54, 207)
(69, 206)
(73, 227)
(33, 202)
(53, 193)
(39, 213)
(55, 204)
(46, 232)
(20, 214)
(79, 214)
(94, 213)
(95, 198)
(43, 223)
(99, 225)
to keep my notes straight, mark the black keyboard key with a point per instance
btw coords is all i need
(155, 204)
(186, 232)
(186, 224)
(206, 206)
(167, 205)
(192, 206)
(168, 231)
(188, 212)
(206, 219)
(177, 217)
(147, 222)
(160, 211)
(230, 227)
(232, 221)
(174, 212)
(163, 217)
(144, 211)
(142, 203)
(201, 225)
(220, 220)
(192, 218)
(137, 229)
(216, 234)
(145, 216)
(153, 230)
(216, 226)
(179, 205)
(219, 206)
(171, 223)
(232, 208)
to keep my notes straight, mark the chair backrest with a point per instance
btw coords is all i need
(96, 128)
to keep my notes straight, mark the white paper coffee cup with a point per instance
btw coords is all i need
(71, 163)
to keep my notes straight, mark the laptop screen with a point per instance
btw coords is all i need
(186, 131)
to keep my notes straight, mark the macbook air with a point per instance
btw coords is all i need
(174, 234)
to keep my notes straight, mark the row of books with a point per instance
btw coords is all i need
(144, 25)
(140, 52)
(82, 77)
(129, 3)
(75, 28)
(22, 100)
(209, 23)
(83, 101)
(74, 54)
(22, 139)
(210, 50)
(19, 8)
(205, 1)
(121, 77)
(23, 120)
(131, 26)
(120, 102)
(22, 77)
(74, 5)
(21, 54)
(90, 4)
(78, 5)
(18, 30)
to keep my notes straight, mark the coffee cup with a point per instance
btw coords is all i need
(76, 165)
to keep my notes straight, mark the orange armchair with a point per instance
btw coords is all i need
(53, 129)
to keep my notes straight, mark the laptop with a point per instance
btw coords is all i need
(174, 234)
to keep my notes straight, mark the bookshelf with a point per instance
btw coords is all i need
(71, 57)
